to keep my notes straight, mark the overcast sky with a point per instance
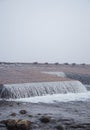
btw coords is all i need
(45, 31)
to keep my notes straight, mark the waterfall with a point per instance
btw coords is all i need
(41, 88)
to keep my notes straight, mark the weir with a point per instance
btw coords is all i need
(25, 90)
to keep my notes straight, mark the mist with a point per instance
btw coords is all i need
(45, 31)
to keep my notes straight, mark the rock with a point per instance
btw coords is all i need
(23, 125)
(78, 126)
(18, 103)
(39, 114)
(3, 122)
(2, 125)
(11, 124)
(60, 127)
(45, 119)
(23, 111)
(87, 126)
(17, 124)
(3, 128)
(30, 115)
(13, 114)
(11, 105)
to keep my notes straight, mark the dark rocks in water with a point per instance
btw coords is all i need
(23, 111)
(11, 105)
(60, 127)
(88, 127)
(84, 78)
(13, 114)
(30, 115)
(23, 125)
(17, 124)
(82, 126)
(11, 124)
(2, 125)
(39, 114)
(18, 103)
(45, 119)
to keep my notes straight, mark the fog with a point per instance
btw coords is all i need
(45, 31)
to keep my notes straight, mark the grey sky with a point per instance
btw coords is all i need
(45, 31)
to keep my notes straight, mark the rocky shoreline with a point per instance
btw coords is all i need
(41, 116)
(84, 78)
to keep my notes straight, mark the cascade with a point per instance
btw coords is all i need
(24, 90)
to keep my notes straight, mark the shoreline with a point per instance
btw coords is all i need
(69, 114)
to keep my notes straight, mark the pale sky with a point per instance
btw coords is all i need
(45, 31)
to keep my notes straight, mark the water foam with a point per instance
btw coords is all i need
(59, 74)
(56, 98)
(39, 89)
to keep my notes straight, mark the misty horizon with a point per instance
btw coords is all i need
(45, 31)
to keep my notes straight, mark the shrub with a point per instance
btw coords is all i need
(66, 63)
(56, 63)
(35, 62)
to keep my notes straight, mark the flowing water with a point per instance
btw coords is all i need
(26, 90)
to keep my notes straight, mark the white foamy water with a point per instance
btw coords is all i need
(59, 74)
(40, 89)
(57, 98)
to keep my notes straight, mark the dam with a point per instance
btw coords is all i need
(25, 90)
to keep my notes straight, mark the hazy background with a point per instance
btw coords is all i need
(45, 31)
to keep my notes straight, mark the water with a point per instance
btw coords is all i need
(59, 74)
(69, 97)
(16, 91)
(87, 86)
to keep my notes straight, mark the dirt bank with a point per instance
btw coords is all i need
(24, 73)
